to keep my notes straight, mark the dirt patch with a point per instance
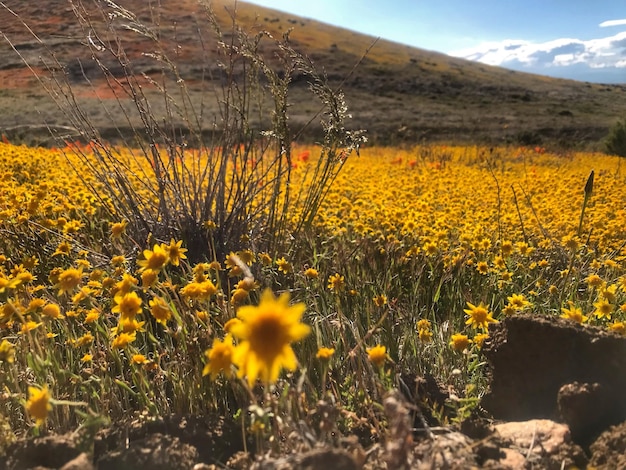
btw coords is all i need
(156, 451)
(214, 438)
(546, 367)
(48, 452)
(608, 450)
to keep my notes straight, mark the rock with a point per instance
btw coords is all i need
(586, 409)
(531, 357)
(450, 450)
(607, 452)
(317, 459)
(512, 459)
(82, 462)
(542, 443)
(47, 452)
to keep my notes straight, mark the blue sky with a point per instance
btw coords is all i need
(553, 37)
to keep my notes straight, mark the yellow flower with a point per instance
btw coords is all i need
(232, 265)
(199, 290)
(573, 313)
(425, 335)
(571, 242)
(482, 267)
(424, 324)
(127, 305)
(603, 309)
(92, 315)
(518, 301)
(265, 259)
(155, 259)
(424, 330)
(247, 284)
(230, 323)
(64, 249)
(6, 283)
(125, 285)
(149, 277)
(68, 280)
(479, 339)
(593, 280)
(507, 248)
(460, 342)
(220, 357)
(128, 325)
(160, 310)
(199, 272)
(284, 266)
(238, 296)
(84, 340)
(118, 260)
(29, 326)
(7, 352)
(38, 405)
(324, 354)
(618, 327)
(479, 316)
(118, 229)
(86, 358)
(430, 248)
(336, 282)
(247, 256)
(84, 293)
(608, 293)
(35, 304)
(311, 273)
(52, 311)
(123, 339)
(380, 300)
(214, 266)
(509, 310)
(176, 252)
(139, 359)
(377, 355)
(266, 333)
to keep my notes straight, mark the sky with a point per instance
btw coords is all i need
(578, 39)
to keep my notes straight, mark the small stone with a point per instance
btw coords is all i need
(82, 462)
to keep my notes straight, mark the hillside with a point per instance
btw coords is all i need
(398, 93)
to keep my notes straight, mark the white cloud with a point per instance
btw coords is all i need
(604, 24)
(550, 56)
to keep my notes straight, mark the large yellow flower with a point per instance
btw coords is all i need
(220, 357)
(377, 354)
(479, 316)
(38, 404)
(154, 259)
(69, 279)
(127, 305)
(160, 310)
(175, 251)
(266, 333)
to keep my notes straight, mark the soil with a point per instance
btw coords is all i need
(553, 402)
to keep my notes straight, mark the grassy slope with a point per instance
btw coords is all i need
(398, 93)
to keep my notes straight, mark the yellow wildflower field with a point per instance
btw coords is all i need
(403, 243)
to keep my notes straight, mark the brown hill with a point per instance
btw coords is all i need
(398, 93)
